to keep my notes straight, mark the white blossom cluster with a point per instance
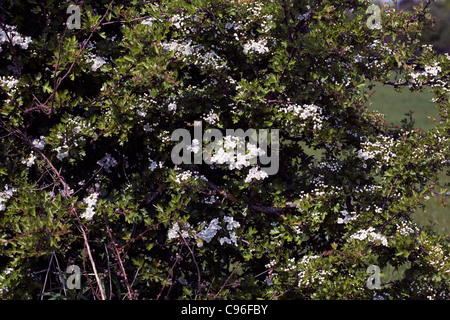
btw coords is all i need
(305, 112)
(39, 143)
(432, 292)
(253, 15)
(178, 20)
(30, 160)
(172, 106)
(96, 61)
(196, 54)
(9, 33)
(5, 195)
(256, 173)
(62, 151)
(314, 275)
(430, 73)
(195, 146)
(175, 232)
(332, 165)
(253, 46)
(231, 224)
(433, 71)
(205, 234)
(371, 235)
(153, 164)
(207, 231)
(210, 200)
(236, 160)
(347, 217)
(380, 149)
(188, 175)
(405, 228)
(211, 118)
(321, 190)
(307, 274)
(438, 259)
(7, 271)
(107, 162)
(91, 201)
(164, 136)
(9, 82)
(148, 21)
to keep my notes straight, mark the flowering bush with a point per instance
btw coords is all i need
(87, 179)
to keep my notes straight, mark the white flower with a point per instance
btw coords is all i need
(370, 235)
(96, 61)
(238, 159)
(433, 71)
(208, 233)
(195, 146)
(256, 173)
(62, 154)
(9, 82)
(175, 232)
(91, 201)
(210, 200)
(231, 240)
(153, 164)
(347, 217)
(106, 162)
(148, 21)
(212, 118)
(221, 156)
(15, 37)
(183, 176)
(39, 143)
(30, 161)
(172, 106)
(141, 113)
(148, 128)
(364, 155)
(305, 112)
(256, 46)
(195, 54)
(231, 224)
(5, 195)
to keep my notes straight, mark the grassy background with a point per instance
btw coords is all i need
(395, 105)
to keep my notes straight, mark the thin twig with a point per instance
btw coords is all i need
(178, 258)
(109, 273)
(91, 259)
(226, 281)
(117, 253)
(199, 277)
(46, 275)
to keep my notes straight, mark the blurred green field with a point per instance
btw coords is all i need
(395, 105)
